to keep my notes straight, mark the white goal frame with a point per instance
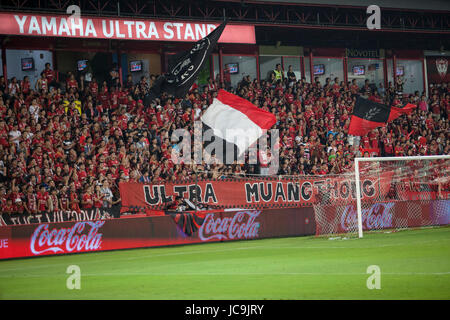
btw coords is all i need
(379, 159)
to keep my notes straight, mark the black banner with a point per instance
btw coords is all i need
(368, 115)
(60, 216)
(184, 67)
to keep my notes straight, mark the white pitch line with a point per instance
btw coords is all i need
(138, 257)
(234, 274)
(101, 260)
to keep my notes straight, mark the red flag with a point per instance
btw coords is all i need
(368, 115)
(397, 112)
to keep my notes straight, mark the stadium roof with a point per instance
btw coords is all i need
(411, 16)
(434, 5)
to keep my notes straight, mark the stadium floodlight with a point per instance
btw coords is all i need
(415, 185)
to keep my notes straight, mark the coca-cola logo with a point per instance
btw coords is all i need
(241, 226)
(65, 240)
(378, 216)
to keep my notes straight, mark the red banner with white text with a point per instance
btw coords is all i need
(119, 28)
(253, 193)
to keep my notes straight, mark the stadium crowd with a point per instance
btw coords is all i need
(65, 145)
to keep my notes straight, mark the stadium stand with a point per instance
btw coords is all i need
(67, 144)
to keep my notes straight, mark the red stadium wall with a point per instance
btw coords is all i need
(39, 239)
(101, 235)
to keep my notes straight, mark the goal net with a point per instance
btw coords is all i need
(393, 193)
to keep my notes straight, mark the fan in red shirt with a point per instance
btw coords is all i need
(131, 104)
(103, 99)
(19, 206)
(422, 140)
(43, 200)
(42, 83)
(54, 200)
(331, 114)
(8, 207)
(31, 201)
(123, 98)
(49, 74)
(365, 141)
(93, 87)
(72, 83)
(125, 169)
(113, 160)
(289, 96)
(388, 146)
(435, 108)
(25, 85)
(38, 156)
(354, 88)
(114, 98)
(74, 201)
(82, 174)
(429, 122)
(64, 199)
(88, 200)
(309, 113)
(336, 85)
(97, 197)
(373, 137)
(399, 151)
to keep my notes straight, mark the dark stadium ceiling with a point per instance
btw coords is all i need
(438, 5)
(350, 39)
(416, 15)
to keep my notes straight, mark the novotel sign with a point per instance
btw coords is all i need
(119, 28)
(357, 53)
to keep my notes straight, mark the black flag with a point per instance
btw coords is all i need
(184, 67)
(368, 115)
(188, 222)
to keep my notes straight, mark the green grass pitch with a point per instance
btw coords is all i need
(414, 264)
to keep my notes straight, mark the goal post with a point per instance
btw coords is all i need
(385, 193)
(434, 169)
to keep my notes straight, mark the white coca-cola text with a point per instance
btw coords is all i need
(228, 228)
(65, 240)
(378, 216)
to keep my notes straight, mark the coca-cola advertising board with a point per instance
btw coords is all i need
(92, 236)
(383, 215)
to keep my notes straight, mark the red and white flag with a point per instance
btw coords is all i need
(237, 120)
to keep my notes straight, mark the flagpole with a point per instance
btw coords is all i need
(196, 186)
